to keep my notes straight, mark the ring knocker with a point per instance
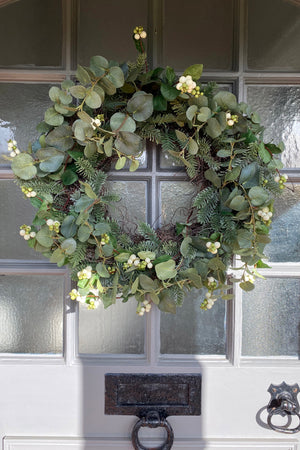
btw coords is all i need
(152, 420)
(284, 403)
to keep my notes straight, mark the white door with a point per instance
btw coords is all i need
(54, 357)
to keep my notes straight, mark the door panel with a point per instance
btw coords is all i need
(54, 356)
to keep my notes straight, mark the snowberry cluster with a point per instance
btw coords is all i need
(97, 121)
(231, 119)
(145, 308)
(265, 214)
(29, 192)
(196, 92)
(186, 84)
(12, 148)
(209, 301)
(213, 247)
(111, 269)
(92, 299)
(133, 260)
(249, 277)
(53, 225)
(104, 239)
(139, 33)
(281, 179)
(26, 232)
(85, 274)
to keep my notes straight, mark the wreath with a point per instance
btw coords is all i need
(101, 122)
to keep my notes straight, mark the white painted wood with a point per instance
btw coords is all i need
(46, 443)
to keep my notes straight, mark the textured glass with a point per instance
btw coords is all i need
(279, 112)
(31, 313)
(105, 28)
(273, 35)
(131, 209)
(31, 33)
(192, 330)
(271, 316)
(15, 211)
(22, 107)
(199, 32)
(117, 329)
(285, 232)
(176, 201)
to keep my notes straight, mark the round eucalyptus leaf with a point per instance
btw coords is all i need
(93, 100)
(116, 76)
(23, 166)
(122, 122)
(61, 138)
(50, 159)
(52, 117)
(78, 91)
(140, 106)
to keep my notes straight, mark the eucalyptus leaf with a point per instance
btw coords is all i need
(50, 159)
(116, 76)
(128, 143)
(61, 138)
(98, 64)
(52, 117)
(83, 233)
(191, 112)
(82, 75)
(213, 128)
(258, 195)
(140, 106)
(69, 246)
(122, 122)
(23, 166)
(102, 270)
(166, 270)
(93, 100)
(212, 176)
(226, 100)
(68, 227)
(44, 237)
(204, 114)
(146, 283)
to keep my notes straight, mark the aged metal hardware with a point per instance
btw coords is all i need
(283, 402)
(152, 419)
(153, 397)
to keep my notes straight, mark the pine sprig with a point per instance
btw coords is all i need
(148, 233)
(85, 168)
(206, 202)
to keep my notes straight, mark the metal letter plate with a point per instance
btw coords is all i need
(135, 394)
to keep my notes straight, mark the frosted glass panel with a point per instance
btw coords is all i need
(31, 314)
(199, 32)
(22, 107)
(273, 35)
(132, 207)
(271, 318)
(285, 232)
(105, 28)
(193, 331)
(176, 201)
(279, 109)
(31, 33)
(15, 211)
(117, 329)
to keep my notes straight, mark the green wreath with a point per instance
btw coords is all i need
(102, 121)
